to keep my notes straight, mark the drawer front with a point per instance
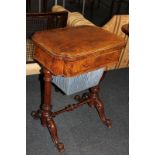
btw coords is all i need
(70, 68)
(90, 63)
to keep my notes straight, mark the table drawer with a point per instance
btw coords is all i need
(90, 63)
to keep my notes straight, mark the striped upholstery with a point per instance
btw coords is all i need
(77, 19)
(29, 50)
(32, 69)
(58, 8)
(114, 26)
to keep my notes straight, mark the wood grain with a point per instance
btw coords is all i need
(73, 51)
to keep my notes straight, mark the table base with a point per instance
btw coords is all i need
(46, 115)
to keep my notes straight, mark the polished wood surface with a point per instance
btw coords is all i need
(73, 51)
(125, 29)
(77, 41)
(69, 52)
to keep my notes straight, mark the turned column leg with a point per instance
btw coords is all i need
(98, 104)
(46, 106)
(45, 113)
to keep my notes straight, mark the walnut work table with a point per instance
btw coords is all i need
(70, 52)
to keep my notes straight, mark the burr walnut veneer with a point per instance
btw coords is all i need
(70, 52)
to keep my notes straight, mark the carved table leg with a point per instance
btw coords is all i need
(53, 131)
(97, 103)
(45, 113)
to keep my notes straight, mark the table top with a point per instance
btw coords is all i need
(77, 41)
(76, 50)
(125, 29)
